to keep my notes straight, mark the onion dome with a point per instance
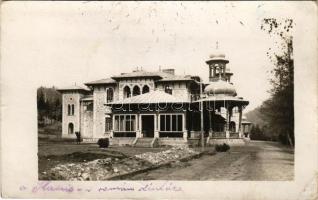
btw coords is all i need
(217, 56)
(220, 87)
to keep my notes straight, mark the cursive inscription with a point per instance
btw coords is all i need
(52, 187)
(166, 186)
(46, 186)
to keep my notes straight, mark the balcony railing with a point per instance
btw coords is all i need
(234, 135)
(218, 135)
(223, 135)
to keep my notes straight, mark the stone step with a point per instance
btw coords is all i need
(143, 142)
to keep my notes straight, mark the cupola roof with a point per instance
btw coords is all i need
(217, 56)
(220, 87)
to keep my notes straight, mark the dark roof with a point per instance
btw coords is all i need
(101, 82)
(73, 88)
(136, 74)
(87, 98)
(176, 78)
(153, 97)
(220, 98)
(160, 75)
(244, 121)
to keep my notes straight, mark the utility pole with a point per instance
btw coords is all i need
(202, 128)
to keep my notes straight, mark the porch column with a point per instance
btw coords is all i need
(156, 126)
(210, 125)
(113, 124)
(184, 128)
(227, 131)
(139, 134)
(240, 122)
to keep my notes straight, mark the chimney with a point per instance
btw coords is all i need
(168, 71)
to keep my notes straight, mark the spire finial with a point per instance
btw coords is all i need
(217, 45)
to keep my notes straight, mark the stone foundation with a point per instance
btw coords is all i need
(122, 141)
(229, 141)
(172, 142)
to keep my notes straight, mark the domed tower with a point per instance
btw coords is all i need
(219, 76)
(220, 87)
(217, 67)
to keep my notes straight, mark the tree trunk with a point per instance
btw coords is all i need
(290, 140)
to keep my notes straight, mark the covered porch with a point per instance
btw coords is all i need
(151, 118)
(222, 117)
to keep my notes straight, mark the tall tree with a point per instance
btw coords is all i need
(49, 104)
(278, 110)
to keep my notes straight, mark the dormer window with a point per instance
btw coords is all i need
(168, 89)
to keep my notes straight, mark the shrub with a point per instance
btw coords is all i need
(103, 142)
(222, 147)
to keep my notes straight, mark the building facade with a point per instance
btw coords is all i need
(156, 108)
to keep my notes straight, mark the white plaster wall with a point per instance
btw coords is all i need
(70, 98)
(99, 98)
(179, 90)
(132, 82)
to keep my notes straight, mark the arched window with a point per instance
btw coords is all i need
(145, 89)
(127, 92)
(69, 109)
(72, 109)
(70, 128)
(232, 126)
(110, 95)
(168, 89)
(136, 91)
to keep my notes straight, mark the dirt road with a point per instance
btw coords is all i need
(256, 161)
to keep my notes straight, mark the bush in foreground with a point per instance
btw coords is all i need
(103, 142)
(222, 147)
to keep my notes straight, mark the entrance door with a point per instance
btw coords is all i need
(148, 125)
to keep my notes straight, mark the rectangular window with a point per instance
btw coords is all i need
(162, 122)
(122, 123)
(125, 123)
(171, 122)
(174, 122)
(133, 123)
(108, 124)
(109, 95)
(180, 123)
(168, 123)
(116, 123)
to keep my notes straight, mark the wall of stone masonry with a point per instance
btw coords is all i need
(101, 110)
(86, 121)
(172, 142)
(122, 141)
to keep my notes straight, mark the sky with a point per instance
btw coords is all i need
(64, 43)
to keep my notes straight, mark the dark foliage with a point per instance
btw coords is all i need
(278, 110)
(222, 147)
(49, 104)
(103, 142)
(258, 134)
